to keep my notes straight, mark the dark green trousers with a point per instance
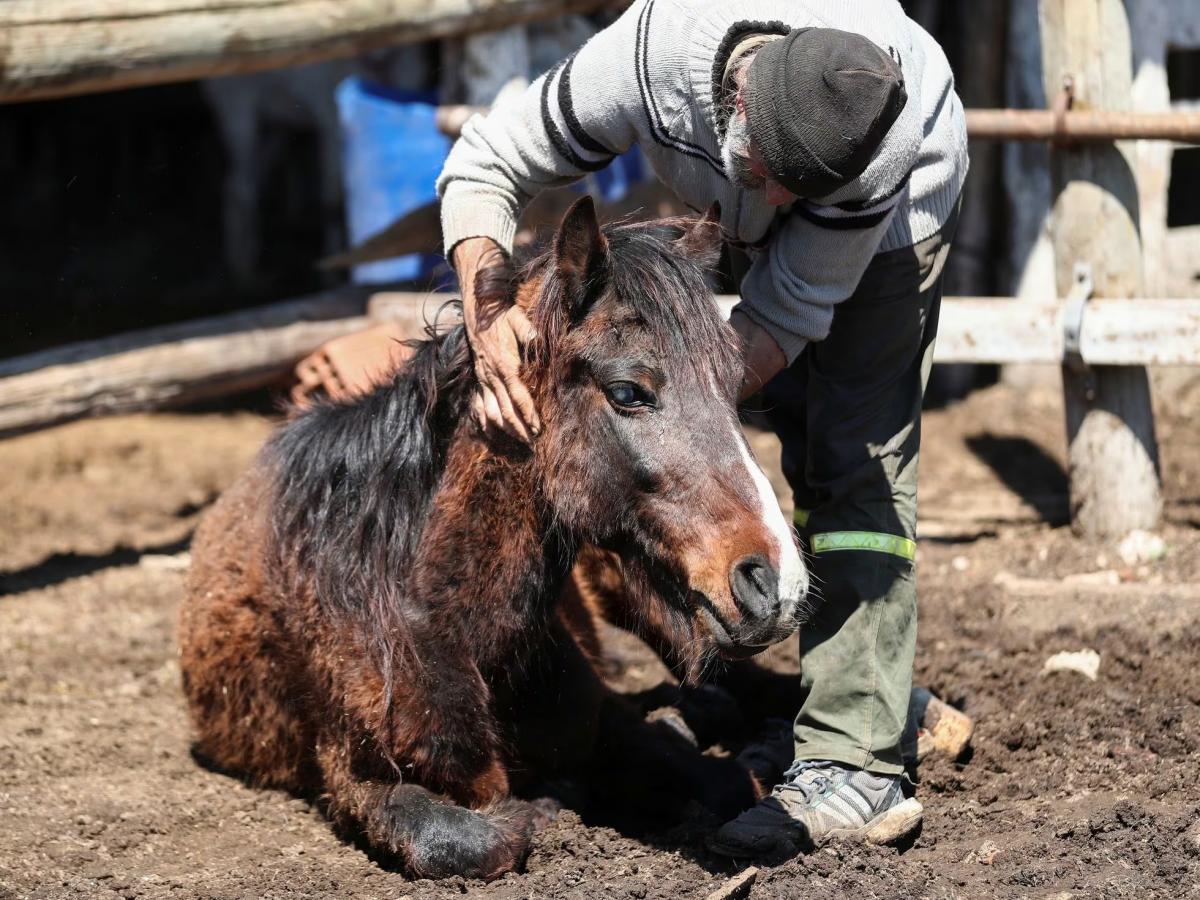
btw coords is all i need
(848, 413)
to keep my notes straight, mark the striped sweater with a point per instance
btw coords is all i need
(649, 78)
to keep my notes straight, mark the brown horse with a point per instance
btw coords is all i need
(371, 611)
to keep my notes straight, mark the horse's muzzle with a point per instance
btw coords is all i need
(764, 616)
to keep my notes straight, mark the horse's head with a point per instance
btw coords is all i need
(636, 378)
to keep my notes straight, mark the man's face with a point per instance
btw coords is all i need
(776, 193)
(750, 172)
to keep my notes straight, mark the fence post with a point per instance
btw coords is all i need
(1113, 453)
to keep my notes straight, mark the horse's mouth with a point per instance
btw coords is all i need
(727, 646)
(736, 652)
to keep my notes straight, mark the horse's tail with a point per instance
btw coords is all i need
(432, 837)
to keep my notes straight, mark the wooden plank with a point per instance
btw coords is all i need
(1113, 453)
(999, 330)
(1142, 332)
(1043, 125)
(57, 48)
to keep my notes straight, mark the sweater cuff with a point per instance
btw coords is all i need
(789, 342)
(467, 215)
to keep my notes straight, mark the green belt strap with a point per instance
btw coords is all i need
(800, 517)
(864, 540)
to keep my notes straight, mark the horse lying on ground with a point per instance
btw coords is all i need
(371, 610)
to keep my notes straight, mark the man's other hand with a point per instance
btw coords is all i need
(762, 357)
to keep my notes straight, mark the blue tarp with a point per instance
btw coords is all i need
(392, 156)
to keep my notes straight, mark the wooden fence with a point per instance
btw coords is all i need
(1094, 326)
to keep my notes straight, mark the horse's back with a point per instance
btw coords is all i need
(236, 655)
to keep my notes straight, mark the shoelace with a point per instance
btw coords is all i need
(814, 786)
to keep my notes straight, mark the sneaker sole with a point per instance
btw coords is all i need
(895, 824)
(892, 826)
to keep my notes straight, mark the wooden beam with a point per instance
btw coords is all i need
(57, 48)
(1113, 452)
(1136, 332)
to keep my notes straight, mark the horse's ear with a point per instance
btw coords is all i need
(702, 242)
(580, 249)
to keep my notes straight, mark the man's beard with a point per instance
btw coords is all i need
(733, 154)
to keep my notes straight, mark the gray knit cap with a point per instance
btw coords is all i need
(818, 105)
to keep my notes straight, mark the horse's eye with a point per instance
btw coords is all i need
(629, 395)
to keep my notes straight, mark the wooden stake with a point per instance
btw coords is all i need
(1113, 456)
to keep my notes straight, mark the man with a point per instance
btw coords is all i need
(830, 134)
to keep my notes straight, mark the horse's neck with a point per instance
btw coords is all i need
(489, 563)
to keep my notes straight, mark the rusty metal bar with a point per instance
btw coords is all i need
(1082, 125)
(1059, 125)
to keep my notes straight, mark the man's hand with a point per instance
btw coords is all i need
(497, 331)
(762, 357)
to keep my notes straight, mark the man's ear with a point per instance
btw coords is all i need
(702, 242)
(580, 251)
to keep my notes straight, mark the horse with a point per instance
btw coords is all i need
(373, 612)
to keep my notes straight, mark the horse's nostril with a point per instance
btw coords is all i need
(755, 586)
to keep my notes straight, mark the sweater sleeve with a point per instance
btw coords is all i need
(571, 121)
(813, 262)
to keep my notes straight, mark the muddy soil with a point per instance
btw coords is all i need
(1075, 788)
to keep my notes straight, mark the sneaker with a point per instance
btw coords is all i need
(816, 802)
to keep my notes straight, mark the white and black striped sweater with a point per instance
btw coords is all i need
(649, 78)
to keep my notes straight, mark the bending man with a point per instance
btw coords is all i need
(831, 136)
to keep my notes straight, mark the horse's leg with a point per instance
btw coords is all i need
(551, 712)
(566, 721)
(649, 767)
(419, 771)
(430, 835)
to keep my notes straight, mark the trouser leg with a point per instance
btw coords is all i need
(848, 415)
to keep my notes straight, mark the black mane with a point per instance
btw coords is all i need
(354, 480)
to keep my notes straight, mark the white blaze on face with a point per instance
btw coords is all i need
(793, 580)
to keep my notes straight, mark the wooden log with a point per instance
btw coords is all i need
(1103, 126)
(57, 48)
(174, 365)
(1113, 453)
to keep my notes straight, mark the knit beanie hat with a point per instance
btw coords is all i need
(818, 104)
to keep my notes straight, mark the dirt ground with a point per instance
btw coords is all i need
(1076, 788)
